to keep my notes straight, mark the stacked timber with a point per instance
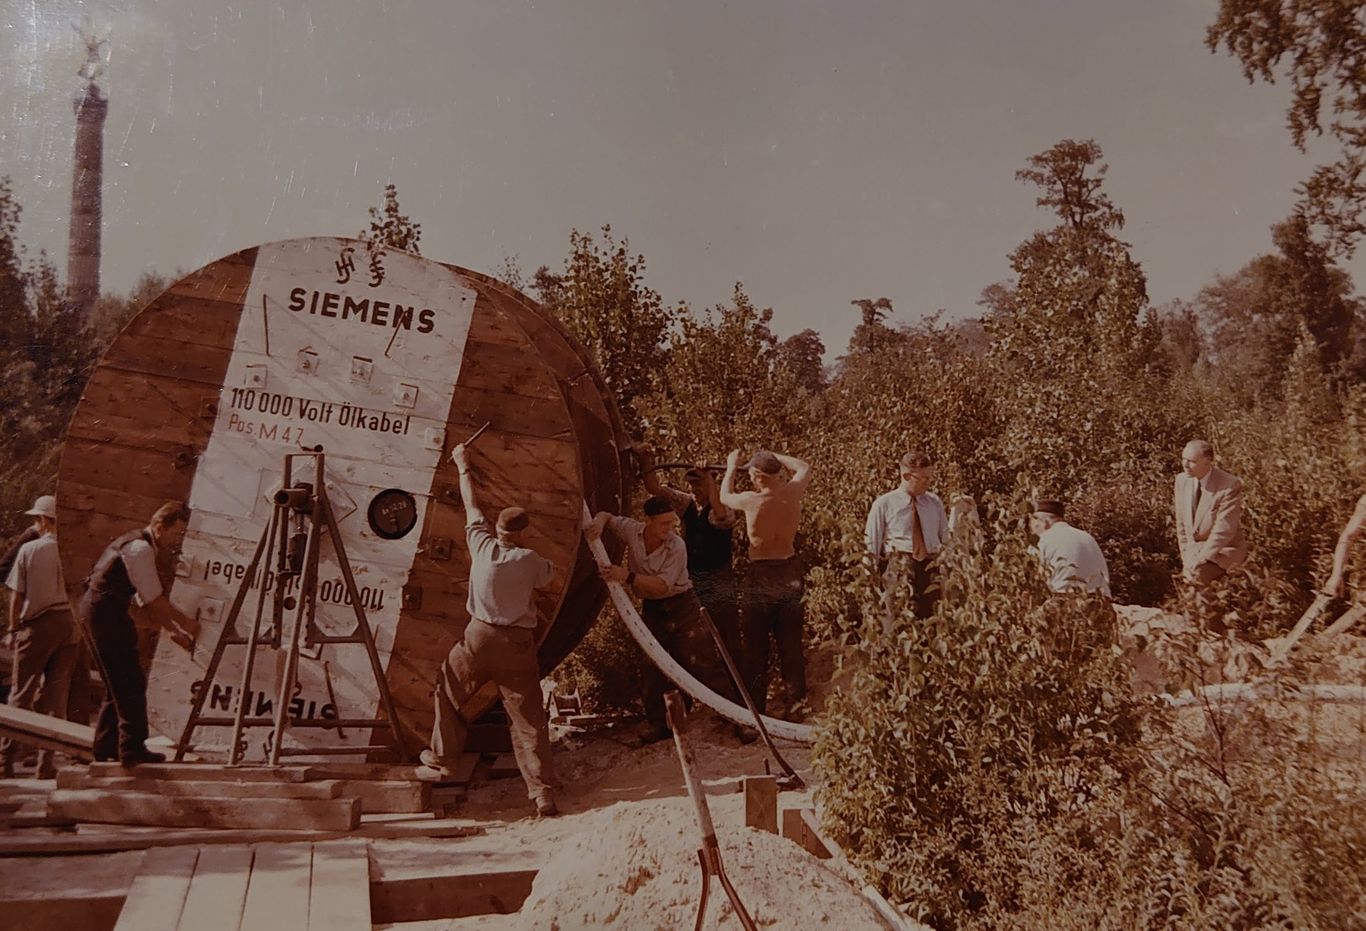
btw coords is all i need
(385, 360)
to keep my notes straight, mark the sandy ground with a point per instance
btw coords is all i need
(603, 779)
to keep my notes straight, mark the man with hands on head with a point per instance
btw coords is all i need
(772, 589)
(498, 645)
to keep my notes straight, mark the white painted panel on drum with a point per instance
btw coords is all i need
(318, 360)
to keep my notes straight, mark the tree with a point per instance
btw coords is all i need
(13, 288)
(727, 383)
(391, 228)
(1320, 45)
(804, 354)
(1257, 314)
(871, 332)
(1077, 289)
(602, 298)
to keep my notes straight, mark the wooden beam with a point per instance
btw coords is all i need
(389, 796)
(458, 884)
(340, 896)
(204, 772)
(156, 898)
(218, 889)
(344, 770)
(761, 803)
(41, 730)
(119, 807)
(799, 826)
(76, 778)
(278, 892)
(65, 892)
(116, 839)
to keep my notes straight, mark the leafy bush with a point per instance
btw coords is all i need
(1008, 708)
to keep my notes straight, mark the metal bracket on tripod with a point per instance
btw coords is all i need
(300, 513)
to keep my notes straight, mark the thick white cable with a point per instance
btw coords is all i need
(782, 730)
(1258, 691)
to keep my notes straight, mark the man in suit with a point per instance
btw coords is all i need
(1209, 516)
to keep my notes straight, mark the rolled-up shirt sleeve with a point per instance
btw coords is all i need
(141, 562)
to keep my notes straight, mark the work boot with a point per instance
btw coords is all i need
(546, 807)
(140, 755)
(432, 768)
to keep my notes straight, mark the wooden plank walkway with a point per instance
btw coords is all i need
(263, 887)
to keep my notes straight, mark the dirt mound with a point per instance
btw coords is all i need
(635, 867)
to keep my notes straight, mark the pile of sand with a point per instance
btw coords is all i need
(634, 866)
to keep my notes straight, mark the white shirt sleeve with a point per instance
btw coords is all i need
(875, 531)
(141, 562)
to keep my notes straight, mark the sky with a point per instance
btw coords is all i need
(816, 152)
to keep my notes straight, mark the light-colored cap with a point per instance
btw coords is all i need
(45, 506)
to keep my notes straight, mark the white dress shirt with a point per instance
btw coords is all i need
(889, 528)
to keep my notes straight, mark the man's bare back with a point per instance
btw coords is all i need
(774, 509)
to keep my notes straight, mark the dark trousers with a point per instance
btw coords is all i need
(121, 727)
(677, 624)
(720, 595)
(45, 655)
(923, 577)
(773, 608)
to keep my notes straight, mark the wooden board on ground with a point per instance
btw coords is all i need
(41, 730)
(145, 808)
(340, 897)
(389, 796)
(76, 778)
(761, 803)
(393, 881)
(799, 826)
(114, 839)
(278, 891)
(156, 898)
(205, 772)
(413, 885)
(218, 889)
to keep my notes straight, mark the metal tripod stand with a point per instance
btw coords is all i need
(300, 513)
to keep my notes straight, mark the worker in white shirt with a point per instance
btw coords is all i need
(1071, 556)
(906, 529)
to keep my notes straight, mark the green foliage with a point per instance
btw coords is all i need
(605, 667)
(1007, 708)
(47, 351)
(1318, 45)
(1256, 316)
(602, 298)
(726, 383)
(390, 227)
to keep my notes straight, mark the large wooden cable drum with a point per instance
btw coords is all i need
(385, 360)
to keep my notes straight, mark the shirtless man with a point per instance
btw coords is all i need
(772, 591)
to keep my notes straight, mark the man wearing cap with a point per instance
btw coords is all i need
(708, 527)
(1071, 556)
(657, 570)
(127, 570)
(773, 582)
(1209, 516)
(42, 629)
(905, 531)
(499, 646)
